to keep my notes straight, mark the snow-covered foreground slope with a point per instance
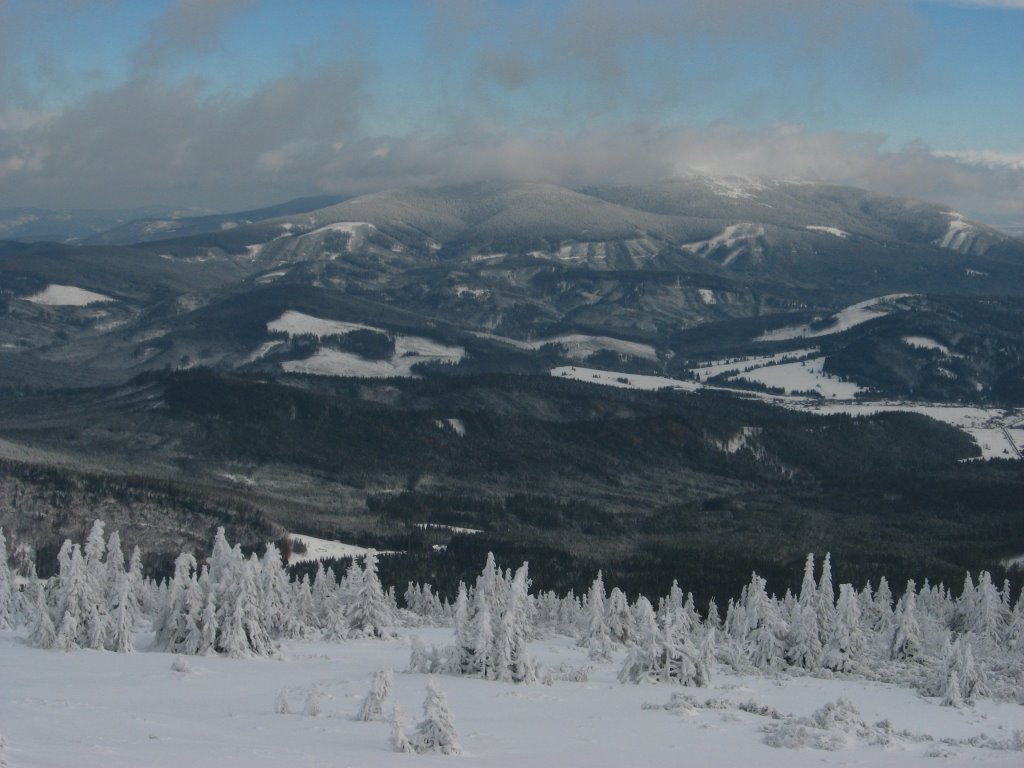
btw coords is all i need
(94, 708)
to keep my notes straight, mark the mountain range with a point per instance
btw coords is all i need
(356, 367)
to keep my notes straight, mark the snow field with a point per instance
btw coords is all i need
(579, 346)
(737, 365)
(55, 295)
(409, 350)
(116, 709)
(808, 375)
(321, 549)
(845, 319)
(834, 231)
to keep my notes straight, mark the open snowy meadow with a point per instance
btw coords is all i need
(97, 708)
(230, 662)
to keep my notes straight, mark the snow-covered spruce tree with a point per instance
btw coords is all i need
(618, 618)
(803, 647)
(80, 621)
(595, 635)
(400, 742)
(276, 604)
(42, 633)
(481, 659)
(763, 642)
(123, 615)
(845, 648)
(906, 638)
(825, 601)
(8, 613)
(669, 656)
(986, 617)
(436, 731)
(370, 613)
(511, 656)
(803, 641)
(373, 704)
(181, 611)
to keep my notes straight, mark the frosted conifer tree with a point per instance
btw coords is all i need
(42, 634)
(172, 627)
(482, 660)
(399, 740)
(123, 615)
(373, 705)
(618, 618)
(846, 645)
(7, 612)
(436, 731)
(825, 601)
(803, 648)
(906, 639)
(80, 623)
(511, 655)
(370, 614)
(595, 634)
(275, 592)
(765, 629)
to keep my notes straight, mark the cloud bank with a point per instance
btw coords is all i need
(576, 93)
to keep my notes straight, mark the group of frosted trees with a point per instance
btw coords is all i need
(493, 626)
(233, 605)
(957, 648)
(92, 602)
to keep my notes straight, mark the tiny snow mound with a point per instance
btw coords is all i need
(55, 295)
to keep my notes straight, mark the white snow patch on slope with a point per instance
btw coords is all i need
(730, 237)
(346, 227)
(320, 549)
(834, 231)
(806, 376)
(579, 346)
(741, 364)
(409, 350)
(707, 296)
(298, 324)
(959, 235)
(923, 342)
(55, 295)
(623, 380)
(844, 320)
(260, 352)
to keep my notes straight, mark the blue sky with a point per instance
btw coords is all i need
(230, 103)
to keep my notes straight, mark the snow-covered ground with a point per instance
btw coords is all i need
(924, 342)
(834, 231)
(409, 350)
(321, 549)
(844, 320)
(580, 346)
(624, 380)
(740, 364)
(55, 295)
(805, 376)
(95, 708)
(299, 324)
